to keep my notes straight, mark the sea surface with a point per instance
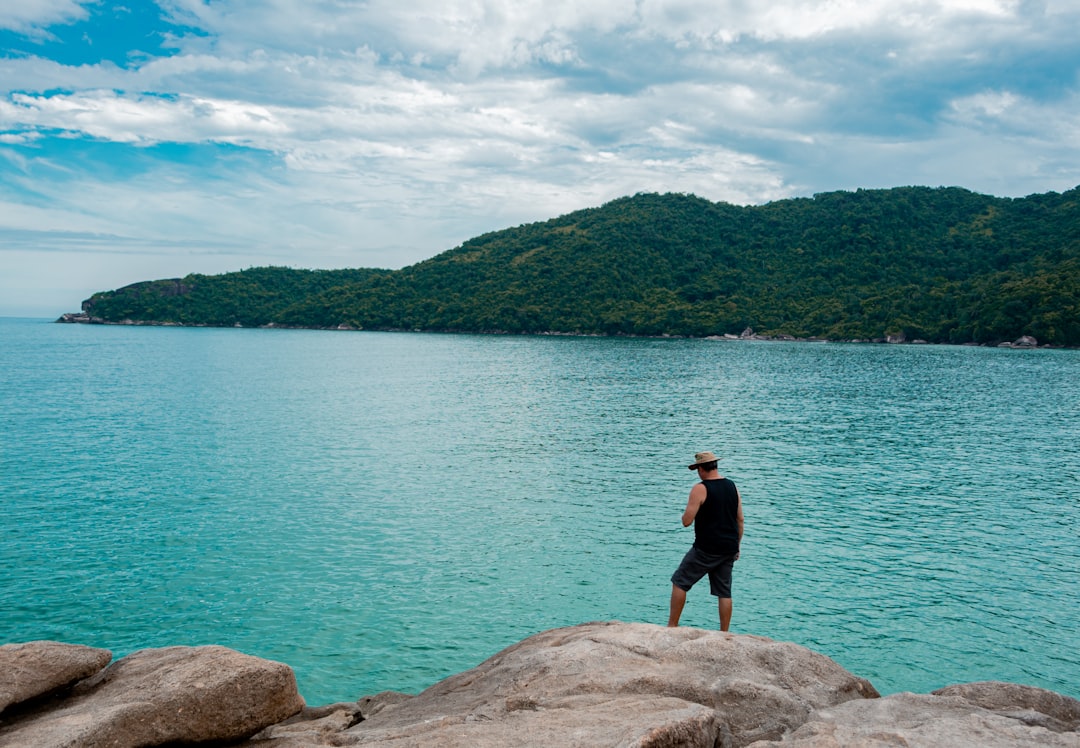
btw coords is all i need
(382, 510)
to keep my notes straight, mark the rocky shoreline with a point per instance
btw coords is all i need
(593, 685)
(1024, 342)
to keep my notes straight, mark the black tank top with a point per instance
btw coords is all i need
(716, 525)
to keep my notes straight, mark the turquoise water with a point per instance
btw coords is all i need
(382, 510)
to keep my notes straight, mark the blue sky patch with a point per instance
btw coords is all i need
(124, 34)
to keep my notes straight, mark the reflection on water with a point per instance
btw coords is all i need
(381, 510)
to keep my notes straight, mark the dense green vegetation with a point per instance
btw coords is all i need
(252, 297)
(944, 265)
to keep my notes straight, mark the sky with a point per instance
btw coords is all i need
(150, 139)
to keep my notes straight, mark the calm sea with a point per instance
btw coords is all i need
(382, 510)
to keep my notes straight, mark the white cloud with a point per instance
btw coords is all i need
(1044, 126)
(379, 133)
(143, 119)
(505, 32)
(19, 138)
(985, 105)
(30, 16)
(533, 131)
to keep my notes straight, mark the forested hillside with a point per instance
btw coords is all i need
(944, 265)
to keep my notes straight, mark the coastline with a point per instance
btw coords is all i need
(1024, 342)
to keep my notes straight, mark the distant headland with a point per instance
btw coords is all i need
(908, 264)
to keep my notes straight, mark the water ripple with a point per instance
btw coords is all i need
(382, 510)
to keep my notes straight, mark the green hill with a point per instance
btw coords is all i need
(944, 265)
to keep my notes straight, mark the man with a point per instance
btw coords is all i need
(715, 508)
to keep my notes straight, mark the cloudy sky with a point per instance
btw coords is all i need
(148, 139)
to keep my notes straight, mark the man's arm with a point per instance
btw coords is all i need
(739, 520)
(738, 515)
(697, 498)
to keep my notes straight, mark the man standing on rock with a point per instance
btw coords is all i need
(715, 508)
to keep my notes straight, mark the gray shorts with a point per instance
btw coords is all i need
(696, 564)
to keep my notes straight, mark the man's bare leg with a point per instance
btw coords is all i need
(678, 600)
(725, 613)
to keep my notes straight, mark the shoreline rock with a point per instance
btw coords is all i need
(592, 685)
(1025, 342)
(153, 697)
(40, 669)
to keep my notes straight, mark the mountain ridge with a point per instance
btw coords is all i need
(941, 264)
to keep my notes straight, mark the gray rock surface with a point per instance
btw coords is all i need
(598, 684)
(1035, 706)
(605, 684)
(315, 726)
(163, 696)
(945, 718)
(40, 668)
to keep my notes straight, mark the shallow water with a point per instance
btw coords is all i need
(381, 510)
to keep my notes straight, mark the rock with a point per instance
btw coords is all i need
(1025, 341)
(41, 668)
(897, 338)
(372, 705)
(950, 717)
(81, 318)
(598, 684)
(579, 721)
(1034, 705)
(164, 696)
(604, 684)
(311, 727)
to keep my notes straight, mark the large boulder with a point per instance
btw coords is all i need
(36, 669)
(975, 715)
(605, 684)
(163, 696)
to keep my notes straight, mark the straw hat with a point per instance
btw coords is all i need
(701, 457)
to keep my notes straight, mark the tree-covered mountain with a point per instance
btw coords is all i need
(248, 298)
(941, 264)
